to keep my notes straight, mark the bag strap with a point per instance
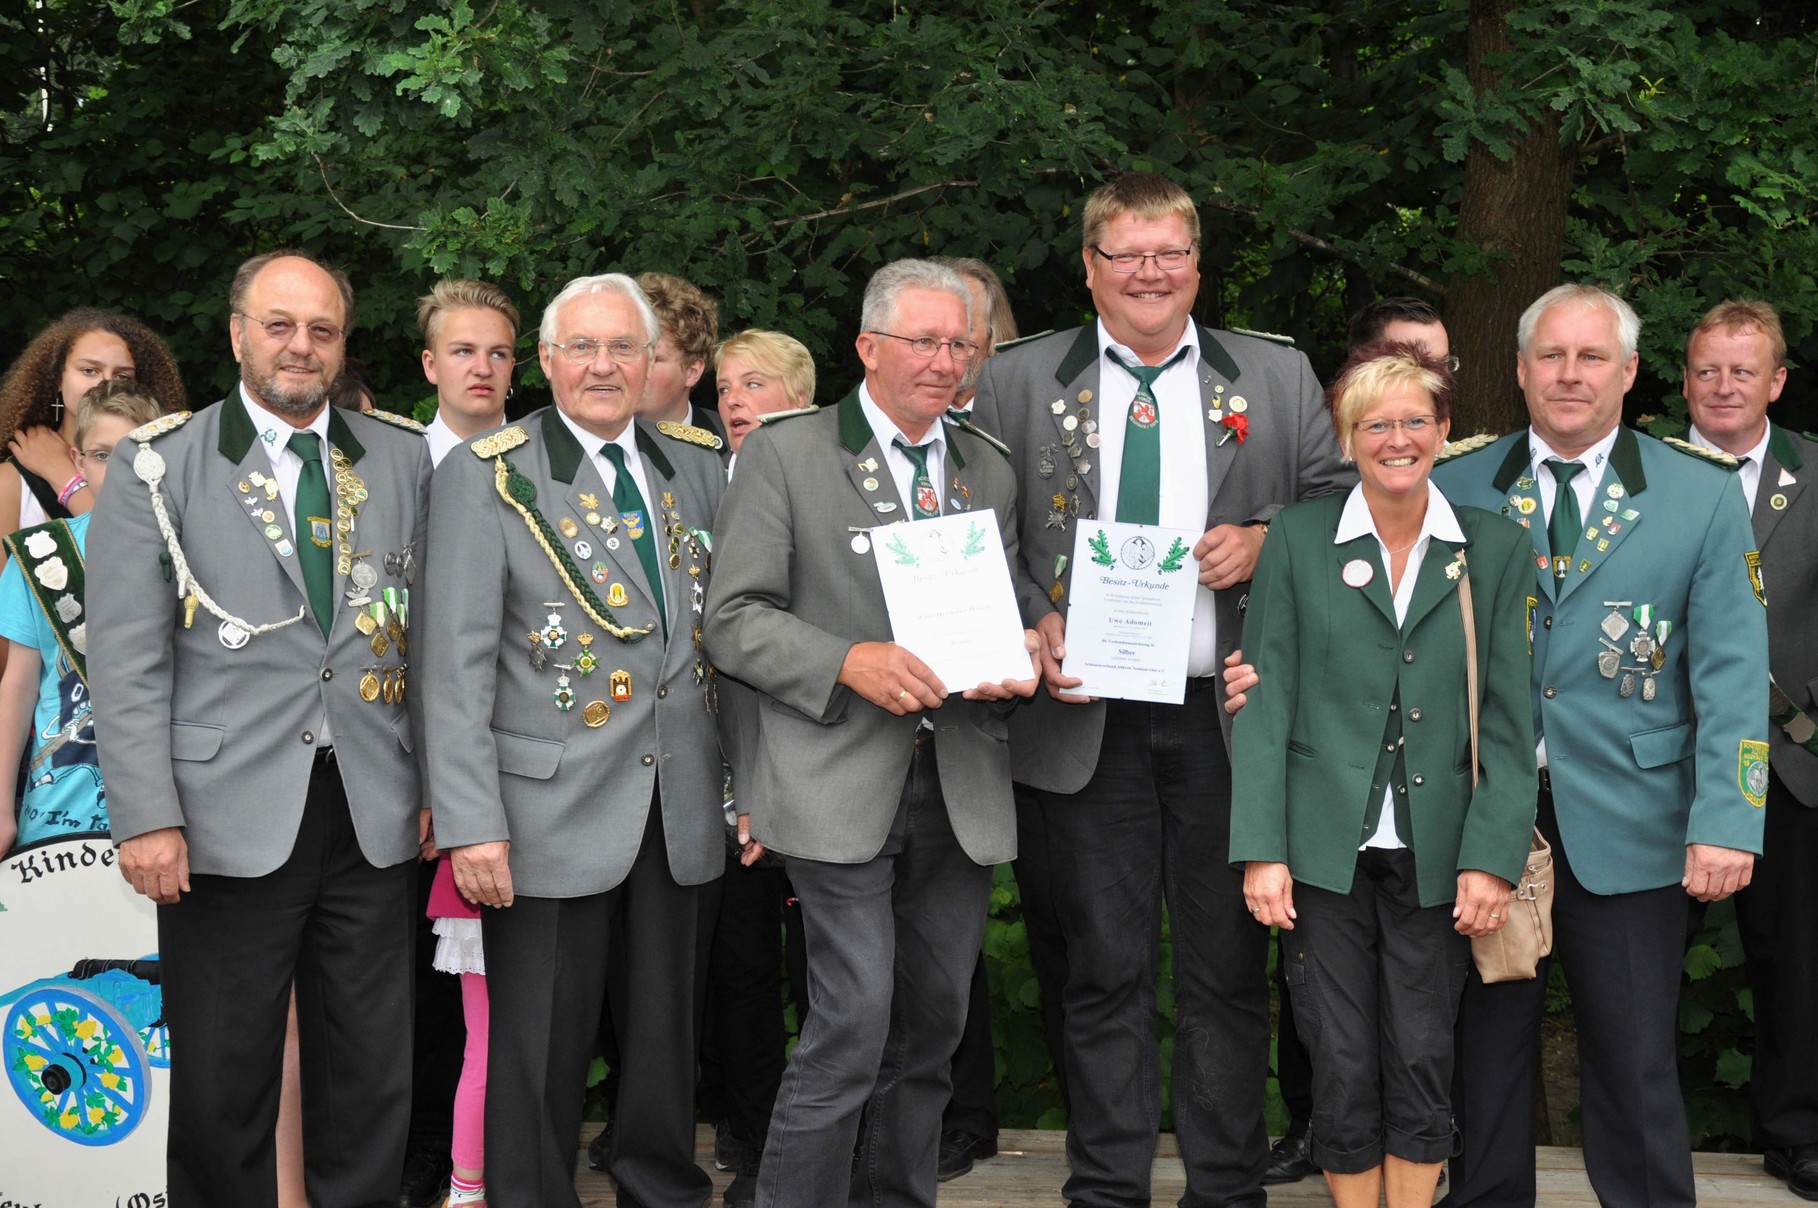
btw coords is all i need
(1470, 639)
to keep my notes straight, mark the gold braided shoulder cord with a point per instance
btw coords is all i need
(597, 612)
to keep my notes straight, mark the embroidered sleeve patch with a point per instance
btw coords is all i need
(1752, 771)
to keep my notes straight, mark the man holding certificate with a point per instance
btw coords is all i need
(889, 799)
(1146, 418)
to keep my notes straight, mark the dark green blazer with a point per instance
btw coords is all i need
(1331, 659)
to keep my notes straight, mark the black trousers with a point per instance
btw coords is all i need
(1293, 1064)
(546, 975)
(742, 1048)
(1623, 954)
(342, 931)
(1154, 822)
(973, 1108)
(1778, 918)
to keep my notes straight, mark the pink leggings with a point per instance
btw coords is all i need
(469, 1148)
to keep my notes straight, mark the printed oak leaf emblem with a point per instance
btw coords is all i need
(975, 541)
(1101, 549)
(1176, 552)
(903, 555)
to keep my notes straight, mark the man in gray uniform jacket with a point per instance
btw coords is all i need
(249, 613)
(890, 799)
(574, 766)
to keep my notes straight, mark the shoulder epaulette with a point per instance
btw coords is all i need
(1006, 345)
(704, 437)
(502, 441)
(960, 419)
(1274, 337)
(1716, 456)
(158, 427)
(1467, 444)
(396, 420)
(774, 416)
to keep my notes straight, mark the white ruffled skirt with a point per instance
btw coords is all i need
(458, 950)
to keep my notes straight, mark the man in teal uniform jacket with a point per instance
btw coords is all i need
(1650, 646)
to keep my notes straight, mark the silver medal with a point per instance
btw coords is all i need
(364, 577)
(1627, 687)
(1647, 687)
(1608, 662)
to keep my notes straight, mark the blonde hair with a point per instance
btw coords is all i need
(1740, 315)
(458, 293)
(1378, 369)
(774, 353)
(1145, 195)
(123, 399)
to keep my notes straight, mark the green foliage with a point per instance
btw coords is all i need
(1716, 1026)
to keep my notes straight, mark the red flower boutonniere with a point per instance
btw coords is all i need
(1235, 425)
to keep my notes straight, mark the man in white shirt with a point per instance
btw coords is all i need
(470, 335)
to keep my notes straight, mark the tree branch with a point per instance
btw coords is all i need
(1320, 245)
(837, 211)
(390, 226)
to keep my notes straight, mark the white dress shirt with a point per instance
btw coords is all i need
(1356, 521)
(441, 439)
(1186, 496)
(902, 470)
(1749, 473)
(286, 467)
(627, 441)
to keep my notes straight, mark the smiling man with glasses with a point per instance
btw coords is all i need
(260, 796)
(1145, 415)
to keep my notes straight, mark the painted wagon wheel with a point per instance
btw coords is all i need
(76, 1064)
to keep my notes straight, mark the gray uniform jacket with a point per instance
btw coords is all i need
(791, 596)
(221, 741)
(505, 761)
(1786, 530)
(1287, 454)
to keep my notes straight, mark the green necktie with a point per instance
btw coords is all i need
(925, 502)
(1139, 479)
(1562, 530)
(638, 523)
(310, 525)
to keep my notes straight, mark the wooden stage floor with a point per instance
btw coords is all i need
(1031, 1165)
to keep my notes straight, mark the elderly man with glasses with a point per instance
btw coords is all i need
(259, 796)
(575, 769)
(1149, 417)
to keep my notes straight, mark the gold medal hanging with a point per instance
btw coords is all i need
(369, 687)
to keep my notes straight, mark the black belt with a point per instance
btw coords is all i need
(1546, 782)
(324, 757)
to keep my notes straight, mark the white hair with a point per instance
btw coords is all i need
(1628, 323)
(604, 283)
(888, 283)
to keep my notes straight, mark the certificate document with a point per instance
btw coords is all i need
(947, 585)
(1130, 619)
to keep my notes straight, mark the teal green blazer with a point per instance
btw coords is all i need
(1331, 659)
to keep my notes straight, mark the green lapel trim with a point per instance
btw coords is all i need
(1514, 464)
(647, 445)
(237, 432)
(1376, 591)
(1080, 357)
(855, 429)
(341, 436)
(956, 461)
(1625, 459)
(563, 449)
(1213, 356)
(65, 548)
(1784, 448)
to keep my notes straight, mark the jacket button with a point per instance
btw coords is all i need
(328, 673)
(309, 738)
(649, 759)
(1389, 747)
(1546, 623)
(1549, 692)
(1419, 780)
(1407, 656)
(662, 691)
(1413, 714)
(1401, 790)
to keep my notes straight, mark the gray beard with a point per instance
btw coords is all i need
(275, 398)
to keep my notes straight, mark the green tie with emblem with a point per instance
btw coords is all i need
(1139, 478)
(1563, 528)
(925, 503)
(309, 524)
(630, 502)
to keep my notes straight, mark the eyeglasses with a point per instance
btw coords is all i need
(583, 349)
(961, 351)
(1169, 261)
(281, 330)
(1414, 425)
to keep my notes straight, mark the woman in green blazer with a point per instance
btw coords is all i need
(1353, 807)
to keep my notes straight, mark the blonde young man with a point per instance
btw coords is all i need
(470, 335)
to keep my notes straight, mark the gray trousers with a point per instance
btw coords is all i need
(891, 947)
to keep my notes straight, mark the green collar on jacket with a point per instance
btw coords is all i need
(238, 434)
